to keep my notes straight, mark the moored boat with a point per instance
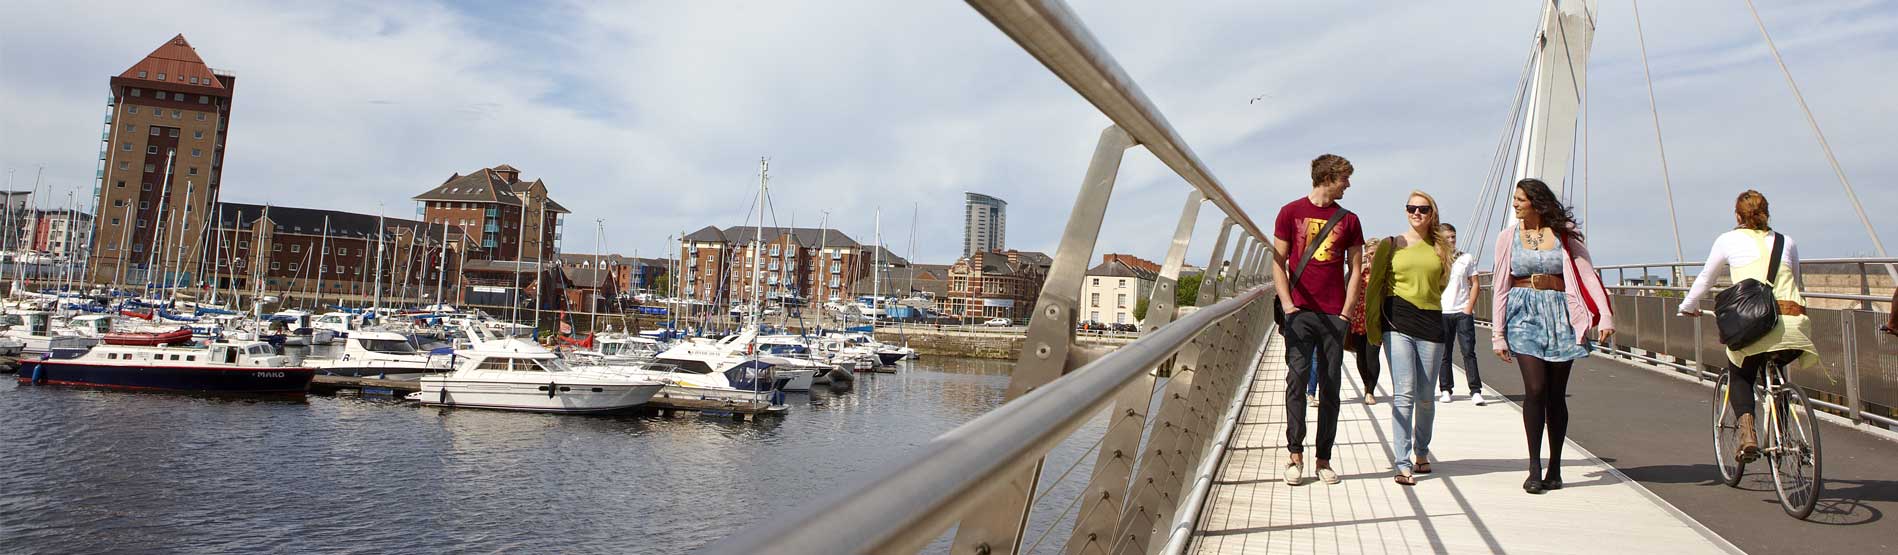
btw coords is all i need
(228, 368)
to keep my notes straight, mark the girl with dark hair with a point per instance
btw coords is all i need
(1745, 252)
(1542, 311)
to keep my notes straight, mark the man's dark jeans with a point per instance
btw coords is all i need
(1459, 332)
(1312, 338)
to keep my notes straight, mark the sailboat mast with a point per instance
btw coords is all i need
(757, 245)
(322, 261)
(164, 194)
(376, 301)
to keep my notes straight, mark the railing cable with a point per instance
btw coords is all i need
(1823, 145)
(1667, 182)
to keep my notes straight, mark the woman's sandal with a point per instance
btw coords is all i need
(1405, 479)
(1423, 467)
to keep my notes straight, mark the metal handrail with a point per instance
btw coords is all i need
(1690, 264)
(914, 500)
(1051, 32)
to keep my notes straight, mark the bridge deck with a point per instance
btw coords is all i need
(1473, 502)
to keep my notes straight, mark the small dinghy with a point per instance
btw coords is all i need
(149, 339)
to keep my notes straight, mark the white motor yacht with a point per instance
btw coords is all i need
(618, 349)
(701, 356)
(514, 374)
(376, 353)
(36, 330)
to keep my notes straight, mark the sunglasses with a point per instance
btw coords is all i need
(1417, 209)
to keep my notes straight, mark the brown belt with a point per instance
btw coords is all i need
(1790, 308)
(1549, 282)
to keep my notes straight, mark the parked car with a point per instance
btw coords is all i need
(998, 323)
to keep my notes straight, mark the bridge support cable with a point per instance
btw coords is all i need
(1837, 169)
(1500, 162)
(1667, 181)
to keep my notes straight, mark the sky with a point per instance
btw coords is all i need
(648, 118)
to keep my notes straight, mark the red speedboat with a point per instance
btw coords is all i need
(149, 339)
(136, 314)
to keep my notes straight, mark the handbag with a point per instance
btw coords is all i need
(1278, 312)
(1594, 307)
(1747, 311)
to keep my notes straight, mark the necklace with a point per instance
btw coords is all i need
(1533, 239)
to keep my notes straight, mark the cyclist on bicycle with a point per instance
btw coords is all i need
(1743, 251)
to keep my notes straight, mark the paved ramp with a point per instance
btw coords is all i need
(1473, 503)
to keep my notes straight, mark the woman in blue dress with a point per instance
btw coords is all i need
(1547, 296)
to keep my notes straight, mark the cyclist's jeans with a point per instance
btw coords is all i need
(1740, 397)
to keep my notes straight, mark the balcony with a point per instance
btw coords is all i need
(490, 228)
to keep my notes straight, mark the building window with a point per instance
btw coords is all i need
(115, 222)
(194, 80)
(342, 250)
(118, 202)
(276, 247)
(1121, 300)
(148, 186)
(138, 247)
(174, 130)
(125, 147)
(1094, 316)
(296, 248)
(293, 266)
(141, 75)
(151, 149)
(199, 134)
(143, 205)
(176, 114)
(119, 185)
(1094, 299)
(200, 116)
(204, 99)
(273, 266)
(150, 168)
(125, 164)
(1097, 282)
(1120, 318)
(194, 171)
(132, 109)
(141, 225)
(196, 153)
(1120, 283)
(243, 244)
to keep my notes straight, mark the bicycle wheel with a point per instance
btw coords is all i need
(1726, 433)
(1795, 452)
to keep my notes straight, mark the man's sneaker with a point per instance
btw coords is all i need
(1477, 397)
(1313, 402)
(1327, 475)
(1294, 474)
(1443, 397)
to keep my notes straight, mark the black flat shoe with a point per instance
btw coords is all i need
(1533, 486)
(1551, 485)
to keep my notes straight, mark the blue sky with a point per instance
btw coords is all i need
(652, 115)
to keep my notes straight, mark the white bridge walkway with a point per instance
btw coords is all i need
(1473, 503)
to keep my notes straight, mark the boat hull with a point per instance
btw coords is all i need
(192, 379)
(890, 358)
(578, 397)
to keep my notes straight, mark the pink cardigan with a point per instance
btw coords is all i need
(1580, 317)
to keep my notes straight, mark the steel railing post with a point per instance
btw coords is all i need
(1238, 265)
(1106, 491)
(1209, 277)
(996, 523)
(1848, 333)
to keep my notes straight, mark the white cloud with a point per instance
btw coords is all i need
(652, 116)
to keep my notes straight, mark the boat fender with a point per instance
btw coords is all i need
(37, 373)
(550, 390)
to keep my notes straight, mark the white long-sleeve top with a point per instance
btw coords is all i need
(1736, 248)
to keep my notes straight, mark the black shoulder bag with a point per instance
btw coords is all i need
(1278, 312)
(1747, 311)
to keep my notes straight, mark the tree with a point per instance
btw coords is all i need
(1187, 293)
(661, 284)
(1140, 310)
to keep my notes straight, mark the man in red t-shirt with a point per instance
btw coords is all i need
(1314, 326)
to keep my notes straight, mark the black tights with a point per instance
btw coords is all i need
(1745, 376)
(1544, 402)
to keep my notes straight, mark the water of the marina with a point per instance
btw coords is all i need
(89, 471)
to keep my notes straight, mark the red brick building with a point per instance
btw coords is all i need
(329, 256)
(161, 160)
(1000, 284)
(716, 264)
(506, 217)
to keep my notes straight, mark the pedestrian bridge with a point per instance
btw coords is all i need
(1173, 442)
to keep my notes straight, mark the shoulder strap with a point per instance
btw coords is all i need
(1312, 248)
(1772, 268)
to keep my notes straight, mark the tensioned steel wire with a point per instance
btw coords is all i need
(1667, 182)
(1502, 164)
(1823, 145)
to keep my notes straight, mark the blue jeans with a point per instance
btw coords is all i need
(1413, 408)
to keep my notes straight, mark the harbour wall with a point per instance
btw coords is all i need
(1001, 344)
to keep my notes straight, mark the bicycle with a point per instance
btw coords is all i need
(1789, 438)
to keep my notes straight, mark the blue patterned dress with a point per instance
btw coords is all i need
(1538, 323)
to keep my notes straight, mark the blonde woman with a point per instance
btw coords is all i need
(1745, 252)
(1405, 304)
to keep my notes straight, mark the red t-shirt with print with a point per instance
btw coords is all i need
(1322, 286)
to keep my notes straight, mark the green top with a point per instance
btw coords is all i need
(1417, 276)
(1414, 273)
